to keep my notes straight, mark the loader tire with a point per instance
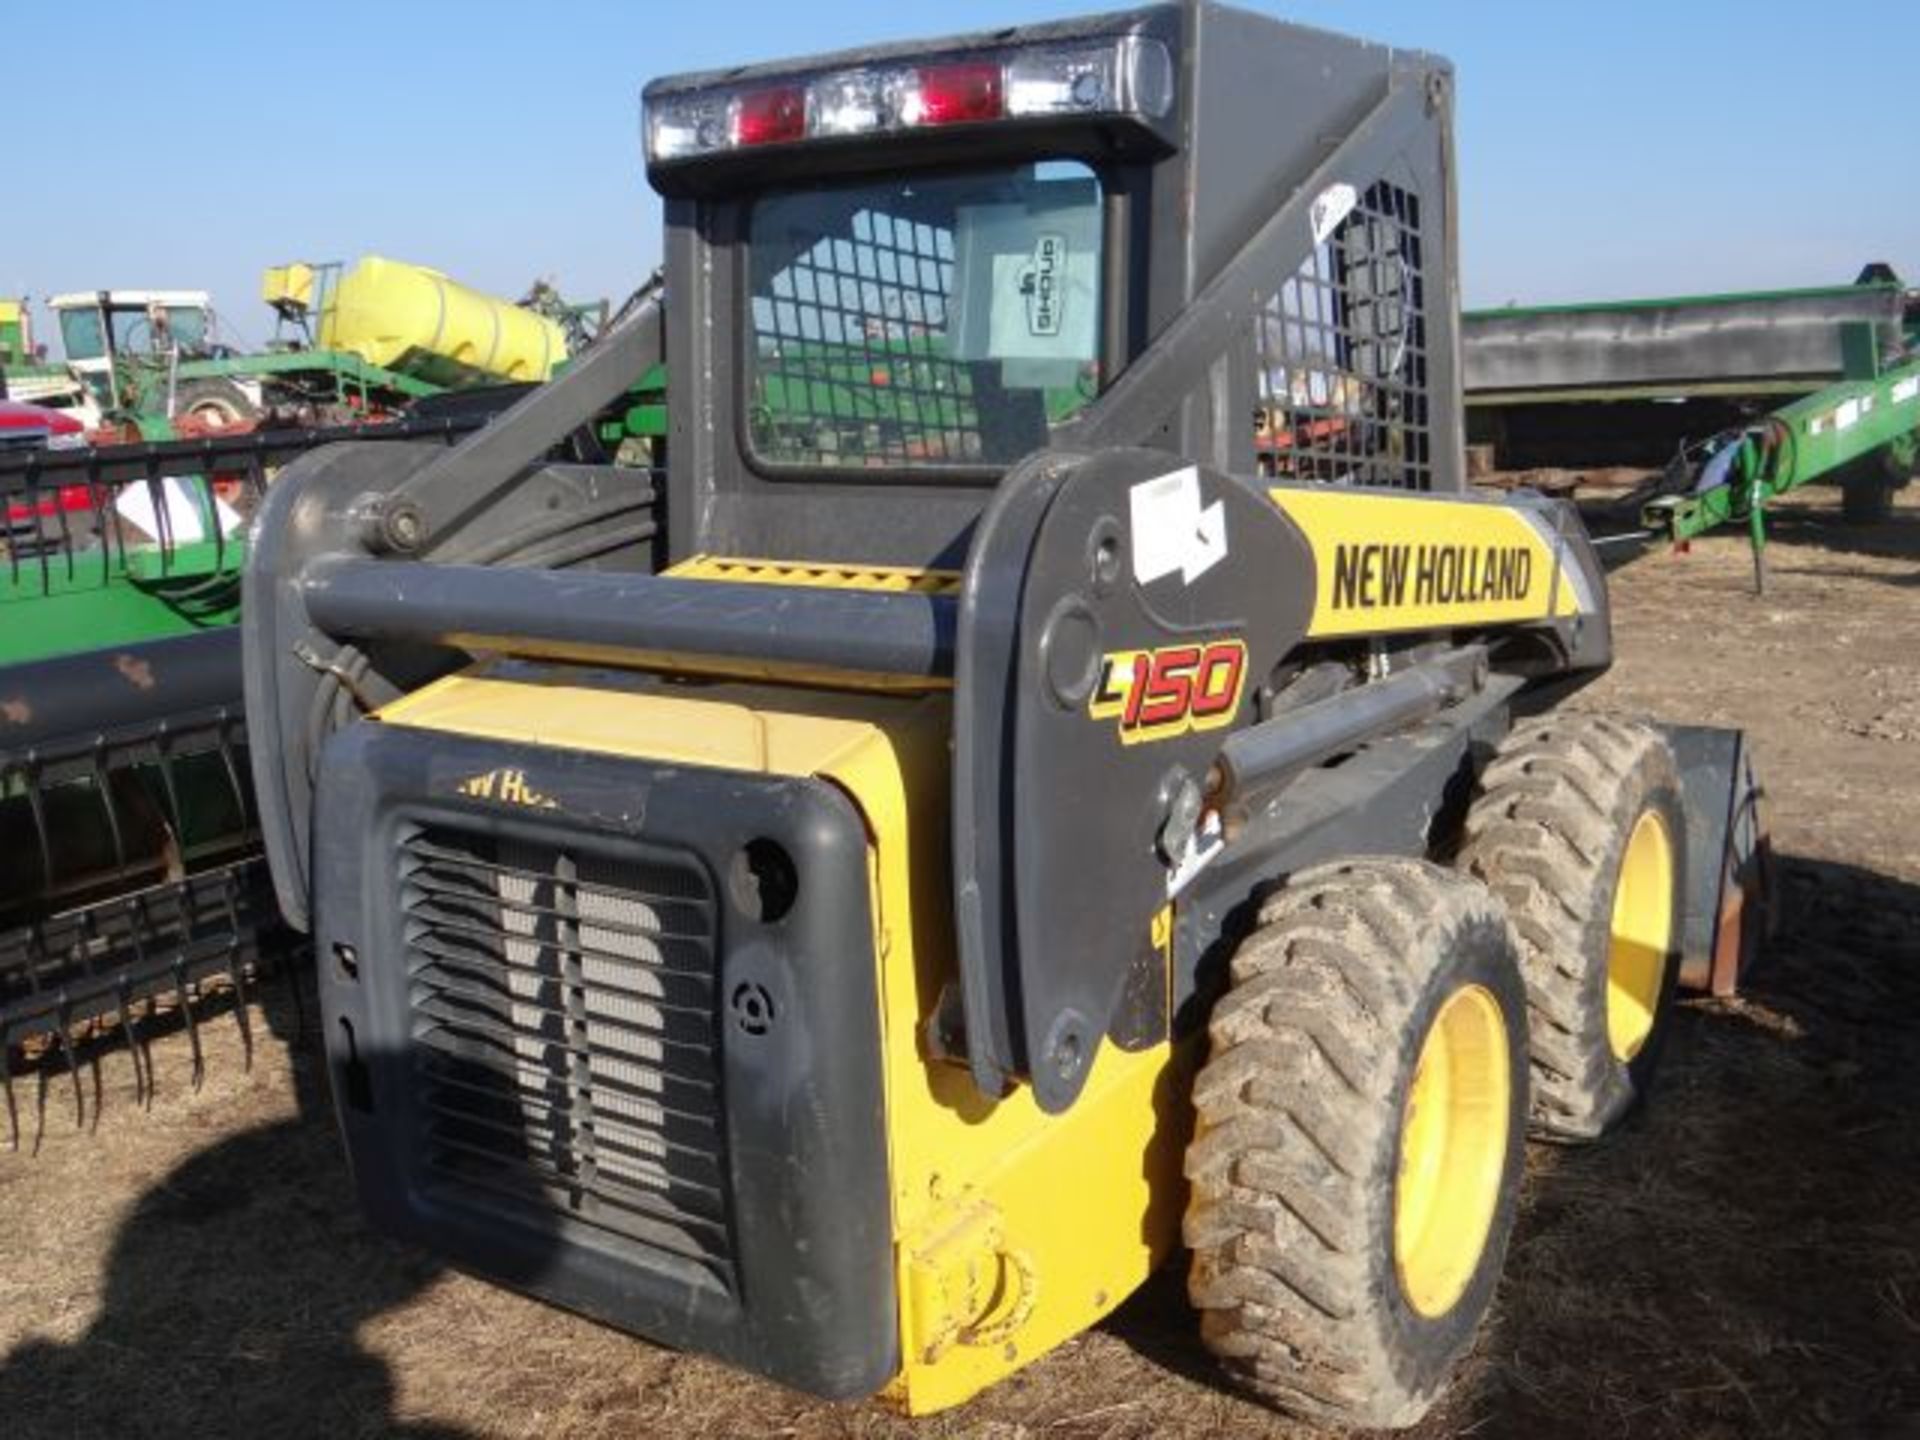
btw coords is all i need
(1359, 1128)
(1578, 826)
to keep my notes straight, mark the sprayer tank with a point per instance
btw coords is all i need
(417, 321)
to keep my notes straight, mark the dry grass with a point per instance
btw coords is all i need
(1743, 1260)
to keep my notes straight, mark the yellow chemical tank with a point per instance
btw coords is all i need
(289, 288)
(417, 321)
(16, 337)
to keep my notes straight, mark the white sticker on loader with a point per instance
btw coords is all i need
(1330, 207)
(1906, 390)
(1172, 532)
(1847, 416)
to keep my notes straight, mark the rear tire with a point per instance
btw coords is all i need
(1347, 1242)
(1868, 484)
(1866, 499)
(1578, 826)
(215, 404)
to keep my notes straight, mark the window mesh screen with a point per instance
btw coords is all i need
(1341, 356)
(849, 333)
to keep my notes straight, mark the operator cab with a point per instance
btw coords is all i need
(100, 329)
(97, 324)
(907, 269)
(942, 323)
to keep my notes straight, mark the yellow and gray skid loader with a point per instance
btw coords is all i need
(1058, 769)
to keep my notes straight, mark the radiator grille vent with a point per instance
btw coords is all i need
(563, 1027)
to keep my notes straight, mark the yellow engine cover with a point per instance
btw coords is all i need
(1013, 1230)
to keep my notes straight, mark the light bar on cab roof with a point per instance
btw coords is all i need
(1129, 75)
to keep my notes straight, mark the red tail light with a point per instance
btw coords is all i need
(1122, 75)
(766, 117)
(953, 94)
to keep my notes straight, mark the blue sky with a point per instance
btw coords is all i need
(1606, 149)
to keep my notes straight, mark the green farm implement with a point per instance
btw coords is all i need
(1862, 433)
(16, 334)
(25, 374)
(133, 869)
(348, 348)
(1788, 387)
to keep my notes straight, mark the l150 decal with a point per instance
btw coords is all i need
(1158, 694)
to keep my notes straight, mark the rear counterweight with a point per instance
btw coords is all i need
(607, 1031)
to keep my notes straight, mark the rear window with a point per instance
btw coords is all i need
(926, 322)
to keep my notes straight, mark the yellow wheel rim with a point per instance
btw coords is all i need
(1453, 1150)
(1642, 935)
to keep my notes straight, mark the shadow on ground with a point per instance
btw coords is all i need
(232, 1296)
(1742, 1260)
(1813, 522)
(1895, 538)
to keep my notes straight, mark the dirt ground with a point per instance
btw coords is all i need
(1743, 1260)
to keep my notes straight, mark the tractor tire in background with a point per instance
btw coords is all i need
(1868, 484)
(1866, 497)
(212, 404)
(1578, 826)
(1359, 1129)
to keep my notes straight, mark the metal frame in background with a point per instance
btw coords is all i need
(134, 870)
(1766, 341)
(120, 685)
(132, 843)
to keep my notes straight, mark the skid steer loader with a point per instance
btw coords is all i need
(1060, 769)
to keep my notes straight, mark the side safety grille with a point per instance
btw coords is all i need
(1340, 351)
(562, 1019)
